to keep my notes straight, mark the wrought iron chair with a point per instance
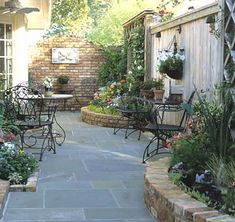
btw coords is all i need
(25, 108)
(161, 130)
(135, 110)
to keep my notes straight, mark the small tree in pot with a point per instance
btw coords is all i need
(158, 90)
(63, 83)
(149, 86)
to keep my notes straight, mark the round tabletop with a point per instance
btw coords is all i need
(58, 96)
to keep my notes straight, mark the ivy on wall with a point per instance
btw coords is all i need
(134, 40)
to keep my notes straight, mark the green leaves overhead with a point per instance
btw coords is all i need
(70, 13)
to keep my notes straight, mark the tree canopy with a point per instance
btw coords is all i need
(101, 20)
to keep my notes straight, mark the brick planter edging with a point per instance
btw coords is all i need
(168, 203)
(4, 189)
(100, 119)
(30, 186)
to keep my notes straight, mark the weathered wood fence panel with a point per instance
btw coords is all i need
(203, 51)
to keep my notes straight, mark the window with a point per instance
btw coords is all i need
(5, 56)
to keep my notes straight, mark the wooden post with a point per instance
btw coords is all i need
(148, 46)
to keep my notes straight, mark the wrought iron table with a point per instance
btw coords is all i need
(57, 97)
(52, 99)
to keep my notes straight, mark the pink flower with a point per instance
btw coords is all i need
(9, 137)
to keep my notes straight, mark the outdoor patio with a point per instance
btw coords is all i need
(95, 176)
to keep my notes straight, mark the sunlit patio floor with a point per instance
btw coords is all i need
(94, 177)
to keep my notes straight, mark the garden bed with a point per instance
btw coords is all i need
(168, 203)
(30, 186)
(5, 188)
(100, 119)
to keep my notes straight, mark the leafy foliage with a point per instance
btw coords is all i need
(215, 123)
(14, 160)
(103, 110)
(5, 124)
(150, 84)
(176, 178)
(229, 201)
(114, 67)
(135, 42)
(63, 79)
(69, 13)
(109, 30)
(193, 152)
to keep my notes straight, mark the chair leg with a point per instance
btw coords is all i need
(139, 134)
(50, 142)
(126, 132)
(115, 129)
(146, 150)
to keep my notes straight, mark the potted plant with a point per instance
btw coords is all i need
(48, 86)
(148, 87)
(63, 79)
(171, 64)
(13, 4)
(158, 89)
(63, 83)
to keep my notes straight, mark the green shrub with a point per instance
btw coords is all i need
(14, 160)
(114, 68)
(192, 152)
(103, 110)
(63, 79)
(215, 119)
(229, 201)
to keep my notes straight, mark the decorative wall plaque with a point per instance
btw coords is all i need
(65, 55)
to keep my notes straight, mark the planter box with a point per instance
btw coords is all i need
(168, 203)
(100, 119)
(30, 186)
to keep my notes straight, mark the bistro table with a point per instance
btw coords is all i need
(59, 136)
(58, 97)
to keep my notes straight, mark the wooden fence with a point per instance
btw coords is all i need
(203, 65)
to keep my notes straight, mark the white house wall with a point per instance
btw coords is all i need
(27, 29)
(20, 56)
(20, 63)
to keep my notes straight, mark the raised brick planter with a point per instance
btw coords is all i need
(4, 189)
(30, 186)
(99, 119)
(168, 203)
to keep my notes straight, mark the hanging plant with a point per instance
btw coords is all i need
(171, 63)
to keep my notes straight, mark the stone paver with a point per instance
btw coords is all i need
(94, 177)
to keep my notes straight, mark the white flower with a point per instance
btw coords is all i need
(164, 55)
(139, 67)
(48, 82)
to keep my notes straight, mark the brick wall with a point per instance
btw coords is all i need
(82, 75)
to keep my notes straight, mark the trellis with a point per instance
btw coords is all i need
(143, 19)
(229, 46)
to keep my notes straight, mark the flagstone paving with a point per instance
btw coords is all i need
(94, 177)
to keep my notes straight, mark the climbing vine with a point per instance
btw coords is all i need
(135, 52)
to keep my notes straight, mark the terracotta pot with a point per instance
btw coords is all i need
(147, 94)
(158, 94)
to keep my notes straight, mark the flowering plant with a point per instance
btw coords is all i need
(16, 165)
(48, 83)
(170, 63)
